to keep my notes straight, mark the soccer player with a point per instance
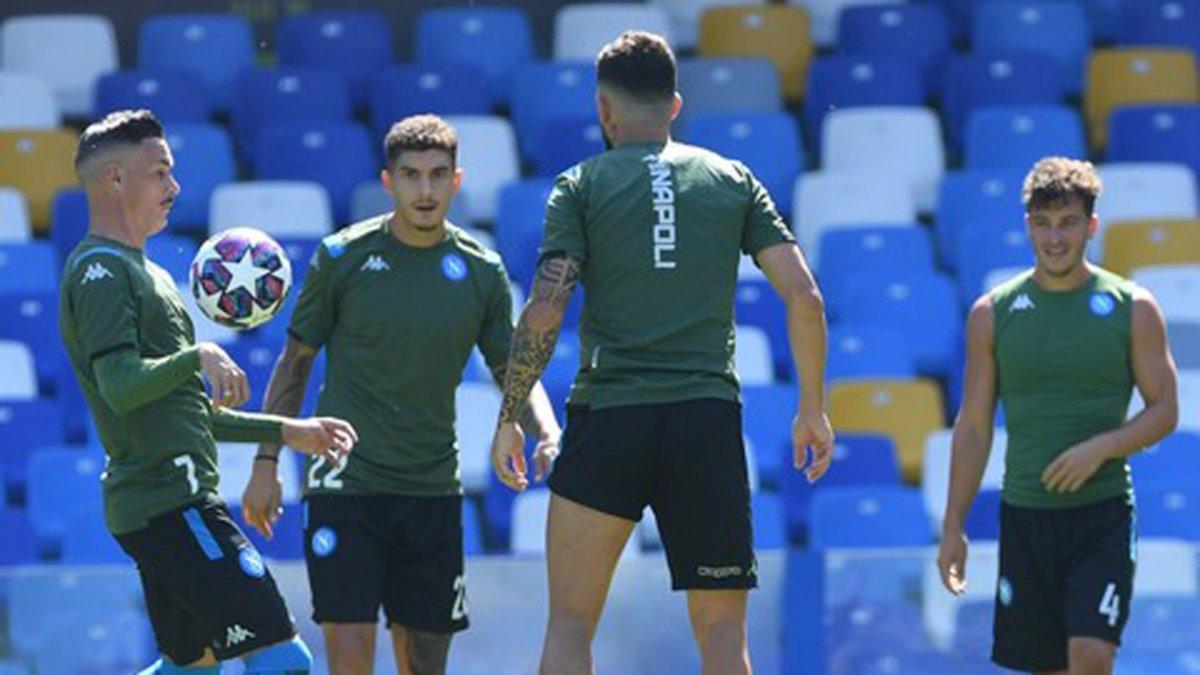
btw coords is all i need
(132, 347)
(398, 302)
(654, 229)
(1062, 346)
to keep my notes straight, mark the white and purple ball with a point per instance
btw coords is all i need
(240, 278)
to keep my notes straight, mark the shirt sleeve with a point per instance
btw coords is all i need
(495, 336)
(764, 226)
(128, 381)
(236, 426)
(313, 316)
(564, 218)
(103, 305)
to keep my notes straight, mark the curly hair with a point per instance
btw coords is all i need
(1054, 181)
(417, 133)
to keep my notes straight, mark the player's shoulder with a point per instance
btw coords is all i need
(360, 235)
(1109, 281)
(471, 247)
(92, 263)
(1009, 290)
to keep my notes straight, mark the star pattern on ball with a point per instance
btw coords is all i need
(244, 273)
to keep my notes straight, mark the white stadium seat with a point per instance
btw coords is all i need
(902, 141)
(752, 356)
(529, 522)
(19, 379)
(14, 216)
(487, 153)
(825, 15)
(370, 199)
(824, 200)
(685, 16)
(1175, 287)
(935, 471)
(279, 208)
(581, 30)
(477, 406)
(1143, 190)
(235, 461)
(69, 51)
(1000, 275)
(1188, 389)
(26, 102)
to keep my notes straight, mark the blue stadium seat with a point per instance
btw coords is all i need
(925, 307)
(769, 143)
(174, 96)
(919, 32)
(28, 268)
(286, 96)
(978, 80)
(68, 221)
(32, 318)
(1054, 28)
(11, 667)
(1173, 461)
(472, 529)
(867, 350)
(339, 156)
(173, 253)
(41, 601)
(566, 141)
(215, 47)
(755, 303)
(983, 520)
(1170, 512)
(495, 39)
(989, 247)
(257, 357)
(976, 196)
(88, 541)
(853, 517)
(519, 220)
(56, 471)
(770, 529)
(727, 84)
(203, 160)
(354, 43)
(73, 409)
(20, 541)
(440, 88)
(89, 640)
(1156, 133)
(562, 368)
(769, 410)
(858, 460)
(846, 252)
(299, 252)
(1018, 136)
(837, 82)
(1161, 23)
(288, 540)
(546, 90)
(1164, 625)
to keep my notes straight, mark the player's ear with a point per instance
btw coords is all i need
(1093, 225)
(458, 176)
(385, 179)
(676, 105)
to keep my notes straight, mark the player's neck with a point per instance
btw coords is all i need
(409, 235)
(108, 221)
(1068, 282)
(635, 134)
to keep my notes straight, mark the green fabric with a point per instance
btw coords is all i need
(128, 381)
(236, 426)
(398, 324)
(659, 230)
(1063, 376)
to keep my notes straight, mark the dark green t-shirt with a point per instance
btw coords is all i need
(660, 230)
(398, 324)
(1064, 375)
(161, 455)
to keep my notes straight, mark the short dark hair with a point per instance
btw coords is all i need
(417, 133)
(640, 64)
(123, 127)
(1055, 181)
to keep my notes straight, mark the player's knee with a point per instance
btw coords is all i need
(427, 652)
(290, 658)
(1090, 656)
(165, 667)
(350, 650)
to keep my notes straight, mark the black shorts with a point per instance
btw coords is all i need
(1064, 573)
(404, 553)
(206, 585)
(685, 460)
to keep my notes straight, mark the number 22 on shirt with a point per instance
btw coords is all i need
(330, 481)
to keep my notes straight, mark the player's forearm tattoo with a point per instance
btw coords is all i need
(528, 420)
(285, 391)
(537, 332)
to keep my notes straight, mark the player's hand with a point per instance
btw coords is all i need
(811, 429)
(262, 501)
(326, 437)
(1070, 470)
(952, 560)
(545, 453)
(508, 456)
(228, 382)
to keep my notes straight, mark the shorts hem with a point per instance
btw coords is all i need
(568, 494)
(1028, 666)
(442, 629)
(238, 651)
(694, 585)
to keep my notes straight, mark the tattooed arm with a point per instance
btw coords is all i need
(538, 417)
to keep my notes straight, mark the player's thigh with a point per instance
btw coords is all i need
(345, 554)
(582, 549)
(702, 497)
(425, 587)
(608, 459)
(1029, 630)
(1100, 581)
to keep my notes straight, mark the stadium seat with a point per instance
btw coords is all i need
(42, 602)
(983, 519)
(777, 33)
(906, 411)
(172, 253)
(26, 425)
(1176, 288)
(289, 95)
(972, 196)
(547, 90)
(1184, 339)
(1018, 136)
(755, 363)
(215, 47)
(32, 319)
(581, 30)
(337, 155)
(68, 51)
(1162, 23)
(769, 143)
(472, 526)
(767, 518)
(413, 89)
(27, 102)
(495, 39)
(1169, 512)
(564, 142)
(874, 516)
(924, 306)
(866, 351)
(918, 32)
(685, 17)
(838, 82)
(1136, 191)
(1133, 244)
(279, 208)
(370, 199)
(1171, 462)
(529, 522)
(62, 470)
(354, 43)
(851, 250)
(204, 160)
(28, 268)
(975, 81)
(174, 96)
(755, 303)
(287, 542)
(235, 464)
(1056, 29)
(20, 541)
(769, 410)
(991, 247)
(88, 541)
(715, 85)
(824, 200)
(825, 15)
(477, 405)
(68, 220)
(905, 142)
(1155, 133)
(38, 163)
(1119, 77)
(14, 217)
(935, 471)
(487, 152)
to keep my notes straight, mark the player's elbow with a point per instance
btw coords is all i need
(804, 301)
(116, 399)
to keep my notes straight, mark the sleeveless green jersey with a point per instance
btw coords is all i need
(398, 324)
(659, 229)
(1063, 375)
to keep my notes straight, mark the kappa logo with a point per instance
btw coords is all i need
(96, 272)
(1022, 303)
(374, 263)
(236, 635)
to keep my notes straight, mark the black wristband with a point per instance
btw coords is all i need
(269, 458)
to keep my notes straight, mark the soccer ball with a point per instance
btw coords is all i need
(240, 278)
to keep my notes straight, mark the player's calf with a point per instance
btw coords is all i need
(282, 658)
(1090, 656)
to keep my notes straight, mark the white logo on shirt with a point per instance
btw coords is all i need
(96, 272)
(1021, 303)
(235, 635)
(374, 263)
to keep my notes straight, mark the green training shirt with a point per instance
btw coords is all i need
(398, 324)
(1064, 375)
(659, 230)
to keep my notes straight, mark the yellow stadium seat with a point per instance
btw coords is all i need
(1132, 244)
(778, 33)
(1119, 77)
(907, 411)
(38, 163)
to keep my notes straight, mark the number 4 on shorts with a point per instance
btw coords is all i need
(1110, 604)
